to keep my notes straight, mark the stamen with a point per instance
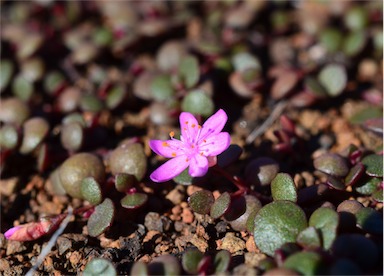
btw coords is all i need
(174, 154)
(202, 153)
(172, 134)
(205, 141)
(193, 125)
(186, 122)
(187, 160)
(165, 144)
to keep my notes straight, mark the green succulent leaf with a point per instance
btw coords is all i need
(354, 43)
(201, 201)
(190, 261)
(326, 221)
(221, 205)
(373, 164)
(197, 102)
(309, 238)
(99, 266)
(278, 223)
(162, 88)
(101, 219)
(133, 201)
(6, 69)
(184, 178)
(283, 188)
(22, 88)
(91, 190)
(115, 96)
(189, 70)
(334, 78)
(306, 263)
(221, 261)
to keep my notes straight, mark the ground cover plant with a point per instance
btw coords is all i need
(191, 137)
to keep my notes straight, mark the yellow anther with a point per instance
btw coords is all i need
(174, 154)
(172, 134)
(165, 144)
(187, 160)
(199, 126)
(205, 141)
(186, 122)
(201, 153)
(193, 125)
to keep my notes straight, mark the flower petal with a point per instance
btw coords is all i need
(188, 125)
(198, 166)
(10, 232)
(169, 148)
(170, 169)
(215, 144)
(214, 124)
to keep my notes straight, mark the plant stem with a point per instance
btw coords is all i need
(239, 183)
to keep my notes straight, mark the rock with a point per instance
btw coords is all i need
(232, 243)
(15, 247)
(177, 195)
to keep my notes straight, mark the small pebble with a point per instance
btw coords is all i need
(232, 243)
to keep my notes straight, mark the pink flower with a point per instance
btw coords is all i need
(34, 230)
(197, 148)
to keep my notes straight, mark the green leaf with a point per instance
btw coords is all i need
(189, 70)
(124, 182)
(101, 219)
(221, 261)
(6, 69)
(72, 136)
(99, 266)
(221, 205)
(277, 223)
(115, 96)
(244, 61)
(334, 79)
(283, 188)
(354, 43)
(22, 88)
(133, 201)
(331, 163)
(331, 38)
(306, 263)
(184, 178)
(367, 185)
(365, 114)
(91, 190)
(370, 220)
(356, 18)
(378, 195)
(326, 221)
(190, 260)
(197, 102)
(161, 88)
(313, 86)
(9, 137)
(52, 81)
(373, 164)
(309, 238)
(91, 103)
(201, 201)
